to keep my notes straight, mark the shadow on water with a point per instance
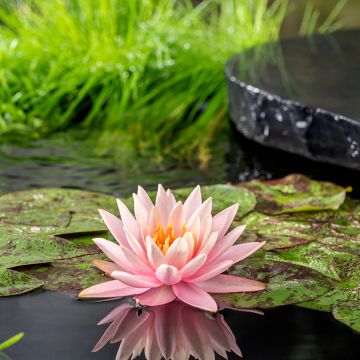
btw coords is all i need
(57, 327)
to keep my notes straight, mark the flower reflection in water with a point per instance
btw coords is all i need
(173, 331)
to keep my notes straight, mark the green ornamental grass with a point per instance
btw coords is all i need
(148, 72)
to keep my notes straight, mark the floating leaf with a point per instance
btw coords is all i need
(277, 232)
(286, 284)
(349, 316)
(55, 211)
(15, 283)
(29, 249)
(295, 193)
(223, 196)
(68, 276)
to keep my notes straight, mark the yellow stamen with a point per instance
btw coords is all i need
(163, 238)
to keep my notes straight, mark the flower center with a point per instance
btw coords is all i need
(164, 237)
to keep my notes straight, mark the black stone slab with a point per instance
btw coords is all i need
(301, 95)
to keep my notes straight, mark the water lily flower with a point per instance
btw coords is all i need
(172, 250)
(171, 331)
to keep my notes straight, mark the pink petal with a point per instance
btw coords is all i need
(190, 241)
(110, 249)
(202, 211)
(178, 253)
(205, 230)
(155, 256)
(124, 257)
(171, 198)
(193, 266)
(177, 218)
(144, 197)
(137, 281)
(137, 247)
(157, 296)
(168, 274)
(110, 289)
(115, 226)
(142, 215)
(194, 296)
(209, 271)
(192, 202)
(128, 219)
(133, 263)
(106, 266)
(154, 220)
(227, 241)
(163, 204)
(223, 220)
(209, 243)
(241, 251)
(229, 283)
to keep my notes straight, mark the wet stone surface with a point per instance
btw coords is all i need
(301, 95)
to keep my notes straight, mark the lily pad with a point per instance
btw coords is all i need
(68, 276)
(278, 233)
(295, 193)
(15, 283)
(223, 196)
(55, 211)
(286, 284)
(349, 316)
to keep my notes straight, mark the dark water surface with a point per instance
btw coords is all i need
(58, 327)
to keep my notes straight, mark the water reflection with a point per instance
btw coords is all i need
(173, 331)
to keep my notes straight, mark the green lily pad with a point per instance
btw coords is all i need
(55, 211)
(15, 283)
(295, 193)
(223, 196)
(286, 284)
(349, 316)
(69, 276)
(278, 233)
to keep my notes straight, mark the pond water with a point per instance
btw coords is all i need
(59, 327)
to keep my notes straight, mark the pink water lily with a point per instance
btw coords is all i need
(172, 250)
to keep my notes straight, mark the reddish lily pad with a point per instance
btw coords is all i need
(295, 193)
